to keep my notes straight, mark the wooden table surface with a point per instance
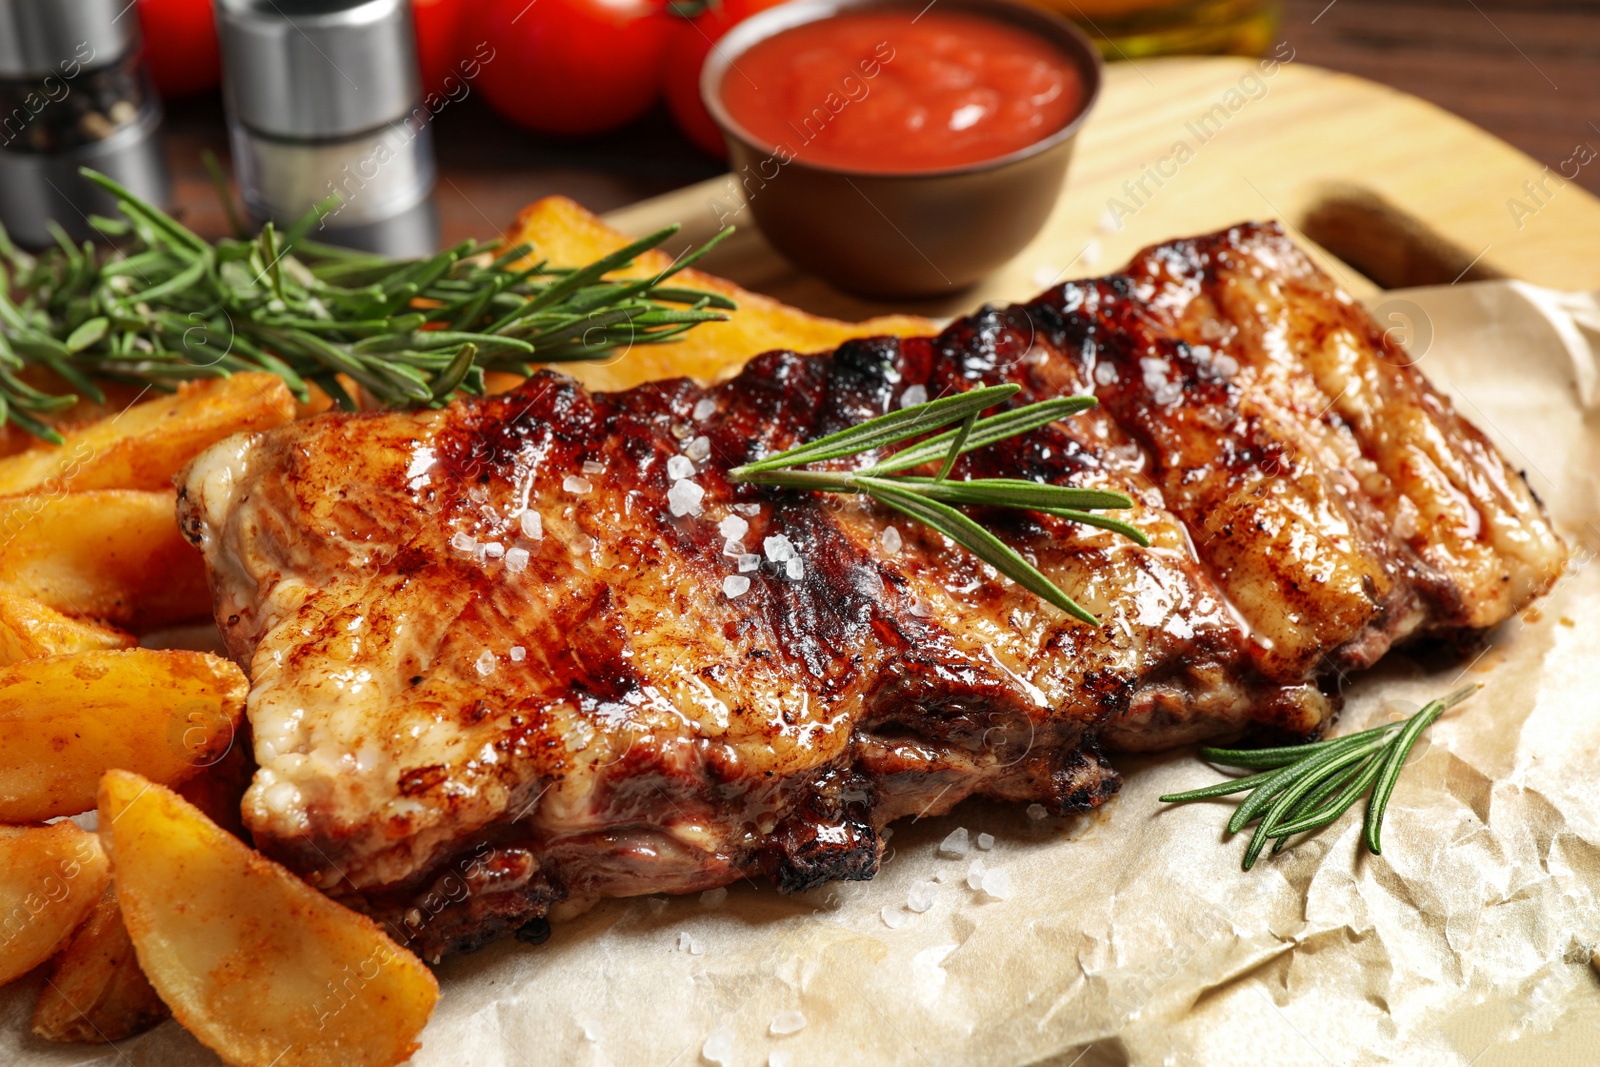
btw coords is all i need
(1526, 70)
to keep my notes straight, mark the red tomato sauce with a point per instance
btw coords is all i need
(891, 92)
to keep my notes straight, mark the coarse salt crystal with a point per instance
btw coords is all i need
(975, 875)
(955, 843)
(749, 510)
(494, 550)
(518, 653)
(996, 883)
(532, 525)
(735, 585)
(1037, 812)
(890, 540)
(795, 568)
(705, 409)
(733, 527)
(516, 560)
(1405, 523)
(894, 916)
(485, 663)
(687, 943)
(1224, 364)
(464, 542)
(680, 467)
(917, 394)
(699, 449)
(986, 841)
(719, 1046)
(920, 898)
(1105, 373)
(790, 1022)
(592, 466)
(734, 549)
(749, 562)
(684, 498)
(779, 548)
(575, 485)
(713, 898)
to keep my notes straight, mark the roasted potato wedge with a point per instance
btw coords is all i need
(66, 720)
(29, 629)
(14, 439)
(144, 446)
(562, 232)
(96, 991)
(50, 878)
(112, 554)
(252, 961)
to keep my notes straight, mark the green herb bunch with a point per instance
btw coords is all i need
(168, 306)
(933, 500)
(1307, 787)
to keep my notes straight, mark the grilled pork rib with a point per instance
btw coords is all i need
(465, 716)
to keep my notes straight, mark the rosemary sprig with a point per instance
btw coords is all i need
(933, 501)
(169, 306)
(1306, 787)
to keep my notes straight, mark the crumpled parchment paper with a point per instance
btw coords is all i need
(1130, 935)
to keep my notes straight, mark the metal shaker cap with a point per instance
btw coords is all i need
(303, 69)
(40, 37)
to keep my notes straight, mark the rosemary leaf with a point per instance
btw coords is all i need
(1017, 493)
(980, 542)
(1104, 522)
(1292, 796)
(988, 431)
(930, 500)
(884, 430)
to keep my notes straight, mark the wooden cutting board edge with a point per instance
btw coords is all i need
(1385, 189)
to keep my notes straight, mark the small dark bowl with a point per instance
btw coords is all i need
(927, 233)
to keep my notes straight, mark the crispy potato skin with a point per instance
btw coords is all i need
(29, 629)
(145, 445)
(66, 720)
(14, 440)
(567, 235)
(111, 554)
(252, 961)
(50, 879)
(96, 992)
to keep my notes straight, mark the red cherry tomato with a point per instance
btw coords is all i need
(571, 67)
(439, 34)
(688, 46)
(180, 42)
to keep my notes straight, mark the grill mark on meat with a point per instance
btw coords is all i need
(657, 735)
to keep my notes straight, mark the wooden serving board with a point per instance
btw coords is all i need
(1388, 190)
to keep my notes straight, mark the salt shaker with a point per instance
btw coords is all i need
(324, 99)
(74, 92)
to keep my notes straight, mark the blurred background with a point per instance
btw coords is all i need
(597, 99)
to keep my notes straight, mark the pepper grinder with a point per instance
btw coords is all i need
(324, 99)
(74, 92)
